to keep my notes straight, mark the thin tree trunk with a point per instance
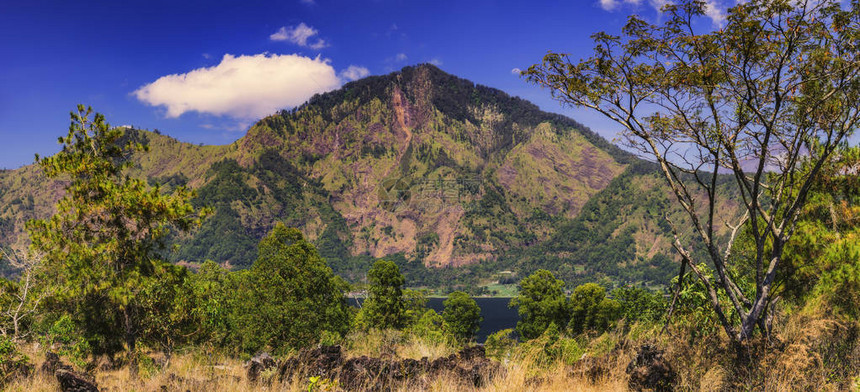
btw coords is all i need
(130, 341)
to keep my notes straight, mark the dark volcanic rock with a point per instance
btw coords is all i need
(321, 361)
(650, 371)
(52, 364)
(71, 381)
(257, 365)
(470, 366)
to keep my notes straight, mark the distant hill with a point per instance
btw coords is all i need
(420, 166)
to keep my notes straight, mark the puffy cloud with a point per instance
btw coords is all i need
(354, 72)
(400, 57)
(713, 11)
(244, 86)
(299, 35)
(435, 61)
(516, 71)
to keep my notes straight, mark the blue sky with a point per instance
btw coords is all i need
(204, 71)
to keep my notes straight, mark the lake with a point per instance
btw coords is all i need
(497, 316)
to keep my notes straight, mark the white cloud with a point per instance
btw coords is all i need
(243, 87)
(516, 71)
(713, 11)
(658, 4)
(354, 72)
(610, 5)
(299, 35)
(435, 61)
(400, 57)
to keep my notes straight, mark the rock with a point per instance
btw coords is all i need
(71, 381)
(52, 364)
(470, 366)
(364, 373)
(322, 361)
(650, 371)
(257, 365)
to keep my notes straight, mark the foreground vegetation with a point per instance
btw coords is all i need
(813, 351)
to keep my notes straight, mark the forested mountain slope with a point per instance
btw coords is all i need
(418, 165)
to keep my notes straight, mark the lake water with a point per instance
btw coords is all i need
(497, 316)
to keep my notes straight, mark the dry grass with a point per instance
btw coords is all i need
(210, 372)
(810, 351)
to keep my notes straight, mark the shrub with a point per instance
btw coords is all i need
(13, 363)
(499, 345)
(462, 316)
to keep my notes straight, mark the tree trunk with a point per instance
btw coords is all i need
(130, 341)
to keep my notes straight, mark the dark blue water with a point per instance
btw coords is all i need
(497, 316)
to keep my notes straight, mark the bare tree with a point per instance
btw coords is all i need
(24, 297)
(777, 87)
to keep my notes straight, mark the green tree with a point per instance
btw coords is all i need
(215, 292)
(101, 247)
(541, 302)
(639, 304)
(823, 256)
(172, 317)
(385, 306)
(775, 88)
(462, 316)
(293, 295)
(429, 327)
(591, 310)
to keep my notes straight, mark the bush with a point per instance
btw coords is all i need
(591, 310)
(638, 304)
(550, 347)
(385, 306)
(462, 316)
(292, 297)
(541, 302)
(499, 345)
(429, 328)
(13, 363)
(66, 340)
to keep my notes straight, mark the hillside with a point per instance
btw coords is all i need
(418, 165)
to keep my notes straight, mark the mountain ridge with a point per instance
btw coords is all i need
(417, 164)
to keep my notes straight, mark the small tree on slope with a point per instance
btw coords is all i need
(101, 247)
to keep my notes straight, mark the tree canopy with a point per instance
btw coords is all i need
(541, 302)
(385, 306)
(777, 87)
(102, 246)
(293, 296)
(462, 316)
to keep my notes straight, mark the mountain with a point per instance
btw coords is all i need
(418, 165)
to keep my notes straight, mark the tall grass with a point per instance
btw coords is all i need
(808, 350)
